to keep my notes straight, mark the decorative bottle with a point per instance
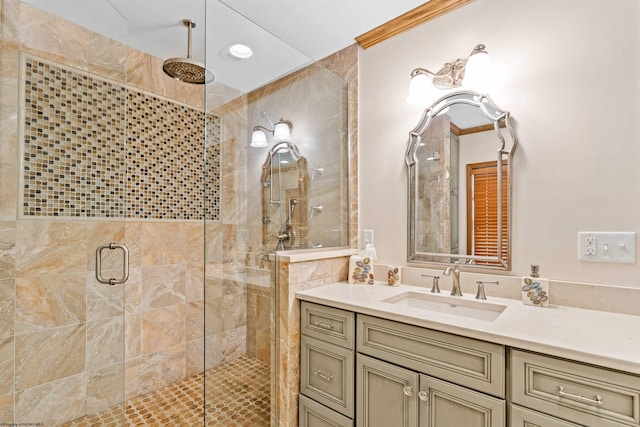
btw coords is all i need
(535, 291)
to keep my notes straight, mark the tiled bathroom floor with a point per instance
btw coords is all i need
(237, 394)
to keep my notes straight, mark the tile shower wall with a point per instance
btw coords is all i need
(73, 155)
(61, 333)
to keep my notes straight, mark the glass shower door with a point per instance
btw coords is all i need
(63, 169)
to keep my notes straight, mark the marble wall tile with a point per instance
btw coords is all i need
(6, 409)
(46, 356)
(105, 342)
(132, 369)
(132, 331)
(51, 247)
(103, 233)
(6, 365)
(163, 243)
(107, 57)
(234, 311)
(49, 302)
(204, 318)
(9, 21)
(145, 72)
(103, 300)
(9, 60)
(234, 343)
(105, 388)
(133, 240)
(194, 282)
(194, 357)
(162, 328)
(163, 286)
(7, 298)
(195, 234)
(133, 292)
(162, 368)
(52, 403)
(58, 39)
(213, 350)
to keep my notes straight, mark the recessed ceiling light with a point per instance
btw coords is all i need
(240, 51)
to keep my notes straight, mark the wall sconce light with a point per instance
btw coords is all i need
(281, 132)
(473, 73)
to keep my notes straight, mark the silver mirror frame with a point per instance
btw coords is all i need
(504, 152)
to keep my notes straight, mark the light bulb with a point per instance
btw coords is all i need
(281, 132)
(420, 89)
(258, 139)
(478, 73)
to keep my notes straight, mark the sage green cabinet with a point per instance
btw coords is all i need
(386, 394)
(521, 417)
(327, 361)
(313, 414)
(389, 395)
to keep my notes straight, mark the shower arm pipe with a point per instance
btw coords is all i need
(189, 24)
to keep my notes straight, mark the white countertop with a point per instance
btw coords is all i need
(597, 337)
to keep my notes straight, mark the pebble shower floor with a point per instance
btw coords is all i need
(237, 394)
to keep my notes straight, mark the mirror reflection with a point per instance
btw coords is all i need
(459, 169)
(284, 197)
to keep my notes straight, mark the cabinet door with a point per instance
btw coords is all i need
(443, 404)
(386, 395)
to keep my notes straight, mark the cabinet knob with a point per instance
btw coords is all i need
(423, 395)
(408, 391)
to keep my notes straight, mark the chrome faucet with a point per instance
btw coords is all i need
(454, 272)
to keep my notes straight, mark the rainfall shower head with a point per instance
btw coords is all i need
(186, 69)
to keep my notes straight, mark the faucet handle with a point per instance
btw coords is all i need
(480, 293)
(435, 288)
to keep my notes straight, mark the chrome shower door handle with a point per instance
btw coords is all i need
(125, 265)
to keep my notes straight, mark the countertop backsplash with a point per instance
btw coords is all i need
(591, 296)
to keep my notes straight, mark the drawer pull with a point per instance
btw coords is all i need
(596, 401)
(408, 391)
(323, 325)
(423, 395)
(323, 376)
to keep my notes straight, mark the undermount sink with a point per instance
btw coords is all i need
(480, 310)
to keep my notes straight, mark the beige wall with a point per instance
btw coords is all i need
(568, 72)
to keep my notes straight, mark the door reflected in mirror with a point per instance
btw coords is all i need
(459, 200)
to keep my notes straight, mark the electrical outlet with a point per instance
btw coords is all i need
(590, 245)
(615, 247)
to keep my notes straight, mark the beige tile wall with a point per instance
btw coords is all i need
(65, 320)
(62, 333)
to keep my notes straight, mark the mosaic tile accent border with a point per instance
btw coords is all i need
(76, 163)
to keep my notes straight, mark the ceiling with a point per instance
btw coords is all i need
(284, 34)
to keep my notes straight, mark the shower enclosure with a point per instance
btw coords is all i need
(111, 170)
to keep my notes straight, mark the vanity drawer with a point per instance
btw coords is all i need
(577, 392)
(327, 374)
(313, 414)
(472, 363)
(521, 417)
(327, 323)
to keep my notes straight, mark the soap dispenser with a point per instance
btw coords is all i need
(535, 291)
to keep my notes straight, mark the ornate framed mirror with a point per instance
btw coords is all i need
(459, 164)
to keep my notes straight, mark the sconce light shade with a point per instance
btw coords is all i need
(420, 88)
(259, 139)
(281, 132)
(478, 73)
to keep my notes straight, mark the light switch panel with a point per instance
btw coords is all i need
(599, 246)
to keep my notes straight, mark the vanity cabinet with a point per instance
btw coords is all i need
(576, 392)
(388, 395)
(409, 376)
(327, 363)
(365, 371)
